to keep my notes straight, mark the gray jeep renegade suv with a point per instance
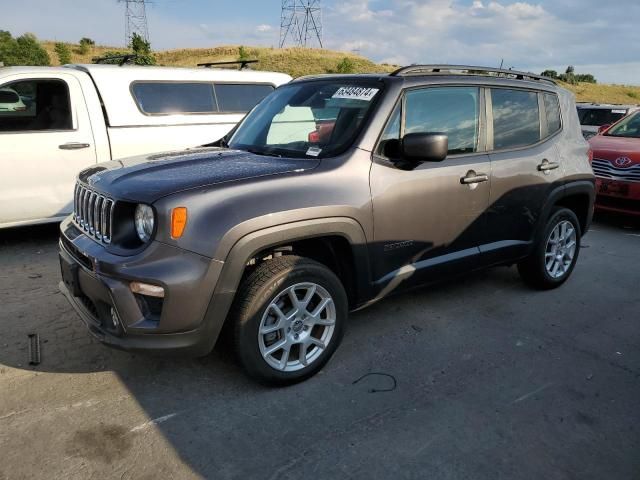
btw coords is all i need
(332, 193)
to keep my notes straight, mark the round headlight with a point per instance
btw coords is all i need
(144, 220)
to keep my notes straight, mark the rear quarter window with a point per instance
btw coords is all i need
(240, 98)
(552, 111)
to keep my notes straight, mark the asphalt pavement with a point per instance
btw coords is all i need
(483, 379)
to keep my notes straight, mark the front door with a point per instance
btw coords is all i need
(45, 141)
(429, 221)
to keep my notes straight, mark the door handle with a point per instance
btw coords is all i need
(73, 146)
(546, 166)
(472, 177)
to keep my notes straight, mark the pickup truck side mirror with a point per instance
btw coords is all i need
(424, 147)
(603, 128)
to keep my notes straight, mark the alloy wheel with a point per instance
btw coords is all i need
(297, 327)
(561, 249)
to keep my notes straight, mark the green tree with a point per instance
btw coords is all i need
(86, 44)
(242, 53)
(23, 50)
(346, 65)
(142, 48)
(139, 47)
(586, 78)
(64, 53)
(550, 74)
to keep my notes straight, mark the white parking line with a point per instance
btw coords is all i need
(155, 421)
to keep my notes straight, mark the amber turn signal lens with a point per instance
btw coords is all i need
(178, 221)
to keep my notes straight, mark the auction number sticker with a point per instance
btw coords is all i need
(314, 151)
(356, 93)
(619, 111)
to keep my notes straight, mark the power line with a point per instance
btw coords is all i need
(135, 19)
(301, 22)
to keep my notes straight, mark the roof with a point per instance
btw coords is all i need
(137, 72)
(114, 83)
(415, 80)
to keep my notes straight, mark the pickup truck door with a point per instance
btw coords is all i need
(44, 143)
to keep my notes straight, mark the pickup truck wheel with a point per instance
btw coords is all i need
(555, 254)
(288, 319)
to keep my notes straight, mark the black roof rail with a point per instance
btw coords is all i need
(467, 70)
(122, 59)
(243, 63)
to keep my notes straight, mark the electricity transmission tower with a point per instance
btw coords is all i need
(135, 19)
(301, 22)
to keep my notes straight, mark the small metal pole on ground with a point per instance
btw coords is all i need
(34, 349)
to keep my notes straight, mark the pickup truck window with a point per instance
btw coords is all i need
(164, 98)
(239, 97)
(35, 105)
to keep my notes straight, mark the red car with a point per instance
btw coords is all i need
(616, 164)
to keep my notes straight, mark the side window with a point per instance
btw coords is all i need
(35, 105)
(450, 110)
(552, 108)
(390, 138)
(240, 98)
(164, 98)
(516, 118)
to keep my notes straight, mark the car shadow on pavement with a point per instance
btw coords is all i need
(617, 220)
(205, 418)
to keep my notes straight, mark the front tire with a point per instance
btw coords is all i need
(288, 319)
(555, 254)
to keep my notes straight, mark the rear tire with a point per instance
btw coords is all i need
(288, 319)
(555, 253)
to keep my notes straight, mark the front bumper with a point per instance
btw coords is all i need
(618, 196)
(97, 284)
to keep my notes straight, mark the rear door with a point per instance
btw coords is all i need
(43, 147)
(525, 167)
(427, 221)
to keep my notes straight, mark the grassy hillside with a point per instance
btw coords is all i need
(294, 61)
(307, 61)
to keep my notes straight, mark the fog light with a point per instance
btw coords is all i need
(147, 289)
(115, 321)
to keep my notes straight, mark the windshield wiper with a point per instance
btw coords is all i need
(262, 152)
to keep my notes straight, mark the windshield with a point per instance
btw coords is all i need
(600, 116)
(629, 127)
(307, 120)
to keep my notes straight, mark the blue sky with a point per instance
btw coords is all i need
(597, 37)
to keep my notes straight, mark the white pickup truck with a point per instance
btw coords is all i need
(56, 121)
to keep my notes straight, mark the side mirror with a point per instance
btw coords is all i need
(425, 147)
(604, 128)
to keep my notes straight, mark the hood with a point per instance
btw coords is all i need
(149, 177)
(611, 148)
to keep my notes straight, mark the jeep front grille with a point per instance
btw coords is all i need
(93, 213)
(606, 169)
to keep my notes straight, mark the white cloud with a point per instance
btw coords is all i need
(264, 28)
(526, 35)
